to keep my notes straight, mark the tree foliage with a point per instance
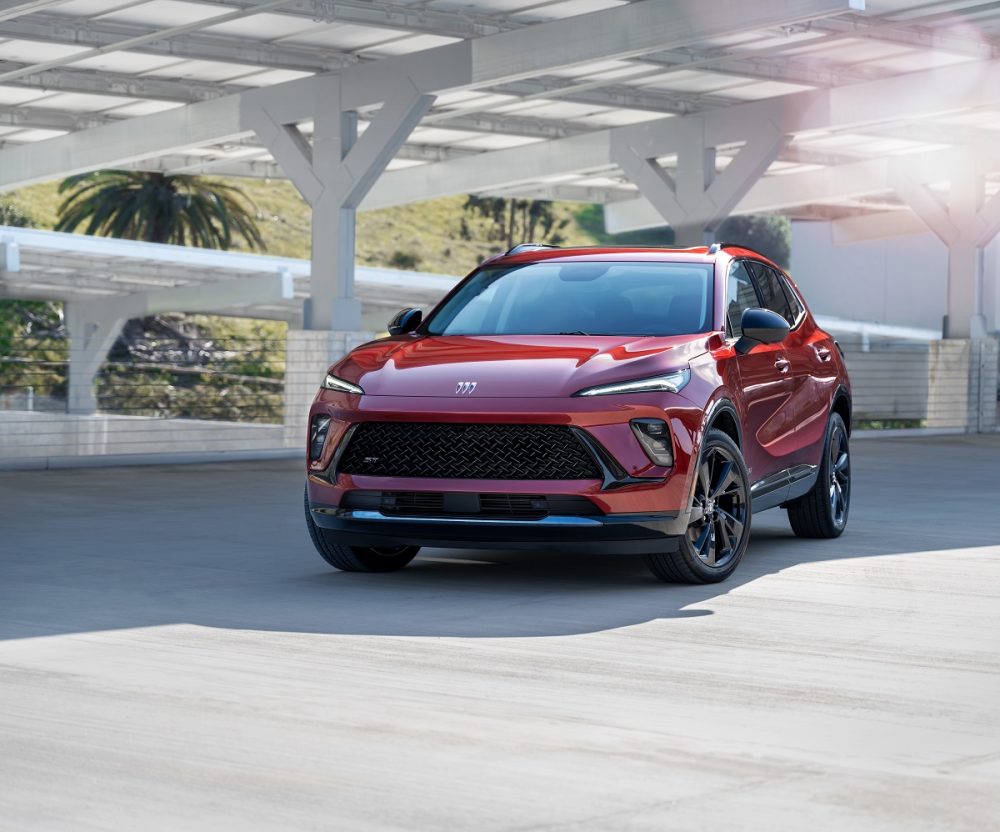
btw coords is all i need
(12, 215)
(771, 236)
(158, 208)
(514, 221)
(590, 218)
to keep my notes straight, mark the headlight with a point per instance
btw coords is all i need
(334, 383)
(654, 436)
(669, 383)
(317, 435)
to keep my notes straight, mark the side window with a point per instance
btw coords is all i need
(793, 299)
(740, 295)
(772, 296)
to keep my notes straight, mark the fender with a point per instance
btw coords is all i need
(719, 406)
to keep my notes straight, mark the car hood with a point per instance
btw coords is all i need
(511, 366)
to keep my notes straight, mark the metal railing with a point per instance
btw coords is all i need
(231, 380)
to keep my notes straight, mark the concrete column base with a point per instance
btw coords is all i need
(962, 384)
(308, 354)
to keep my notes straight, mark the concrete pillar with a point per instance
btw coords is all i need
(93, 328)
(962, 384)
(308, 355)
(695, 199)
(965, 222)
(333, 174)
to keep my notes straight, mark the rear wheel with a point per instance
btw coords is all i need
(822, 513)
(357, 558)
(720, 518)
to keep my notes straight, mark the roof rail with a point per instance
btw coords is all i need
(522, 247)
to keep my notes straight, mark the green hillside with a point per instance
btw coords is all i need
(426, 236)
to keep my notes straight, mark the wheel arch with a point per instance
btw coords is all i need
(842, 406)
(723, 416)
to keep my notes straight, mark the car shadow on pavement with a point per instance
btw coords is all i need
(165, 547)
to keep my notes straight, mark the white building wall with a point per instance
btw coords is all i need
(898, 280)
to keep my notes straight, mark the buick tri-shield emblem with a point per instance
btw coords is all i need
(464, 388)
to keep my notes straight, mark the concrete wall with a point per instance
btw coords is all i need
(59, 439)
(900, 280)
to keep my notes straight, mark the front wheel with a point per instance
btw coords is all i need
(357, 558)
(822, 513)
(719, 527)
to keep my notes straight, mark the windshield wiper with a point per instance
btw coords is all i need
(575, 332)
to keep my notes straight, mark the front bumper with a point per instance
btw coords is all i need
(638, 487)
(605, 534)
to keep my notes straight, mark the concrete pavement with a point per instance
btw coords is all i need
(174, 655)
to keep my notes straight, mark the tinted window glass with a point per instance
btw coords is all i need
(772, 296)
(740, 295)
(590, 298)
(793, 299)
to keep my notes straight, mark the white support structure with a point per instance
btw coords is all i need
(93, 328)
(94, 325)
(333, 174)
(965, 223)
(695, 199)
(614, 33)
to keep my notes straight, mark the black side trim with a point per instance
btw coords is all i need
(612, 474)
(775, 489)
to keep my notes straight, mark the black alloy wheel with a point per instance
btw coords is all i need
(719, 520)
(719, 509)
(822, 513)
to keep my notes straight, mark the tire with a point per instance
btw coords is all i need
(716, 541)
(822, 513)
(357, 558)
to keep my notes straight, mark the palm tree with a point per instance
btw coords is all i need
(158, 208)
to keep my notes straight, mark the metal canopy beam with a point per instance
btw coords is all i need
(914, 95)
(618, 32)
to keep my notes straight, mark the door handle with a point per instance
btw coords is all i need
(822, 353)
(782, 365)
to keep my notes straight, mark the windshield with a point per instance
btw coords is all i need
(593, 298)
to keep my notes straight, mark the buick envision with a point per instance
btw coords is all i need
(639, 401)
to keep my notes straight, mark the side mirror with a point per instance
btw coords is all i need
(406, 320)
(761, 326)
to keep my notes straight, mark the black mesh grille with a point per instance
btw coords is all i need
(445, 450)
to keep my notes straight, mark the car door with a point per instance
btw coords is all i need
(764, 381)
(813, 374)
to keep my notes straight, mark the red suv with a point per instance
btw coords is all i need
(632, 401)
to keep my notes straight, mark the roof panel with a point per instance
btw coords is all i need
(204, 70)
(495, 141)
(73, 102)
(35, 135)
(126, 62)
(345, 37)
(270, 76)
(90, 8)
(34, 52)
(569, 8)
(10, 96)
(406, 45)
(166, 13)
(764, 89)
(264, 26)
(144, 108)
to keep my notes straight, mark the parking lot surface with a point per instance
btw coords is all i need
(174, 655)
